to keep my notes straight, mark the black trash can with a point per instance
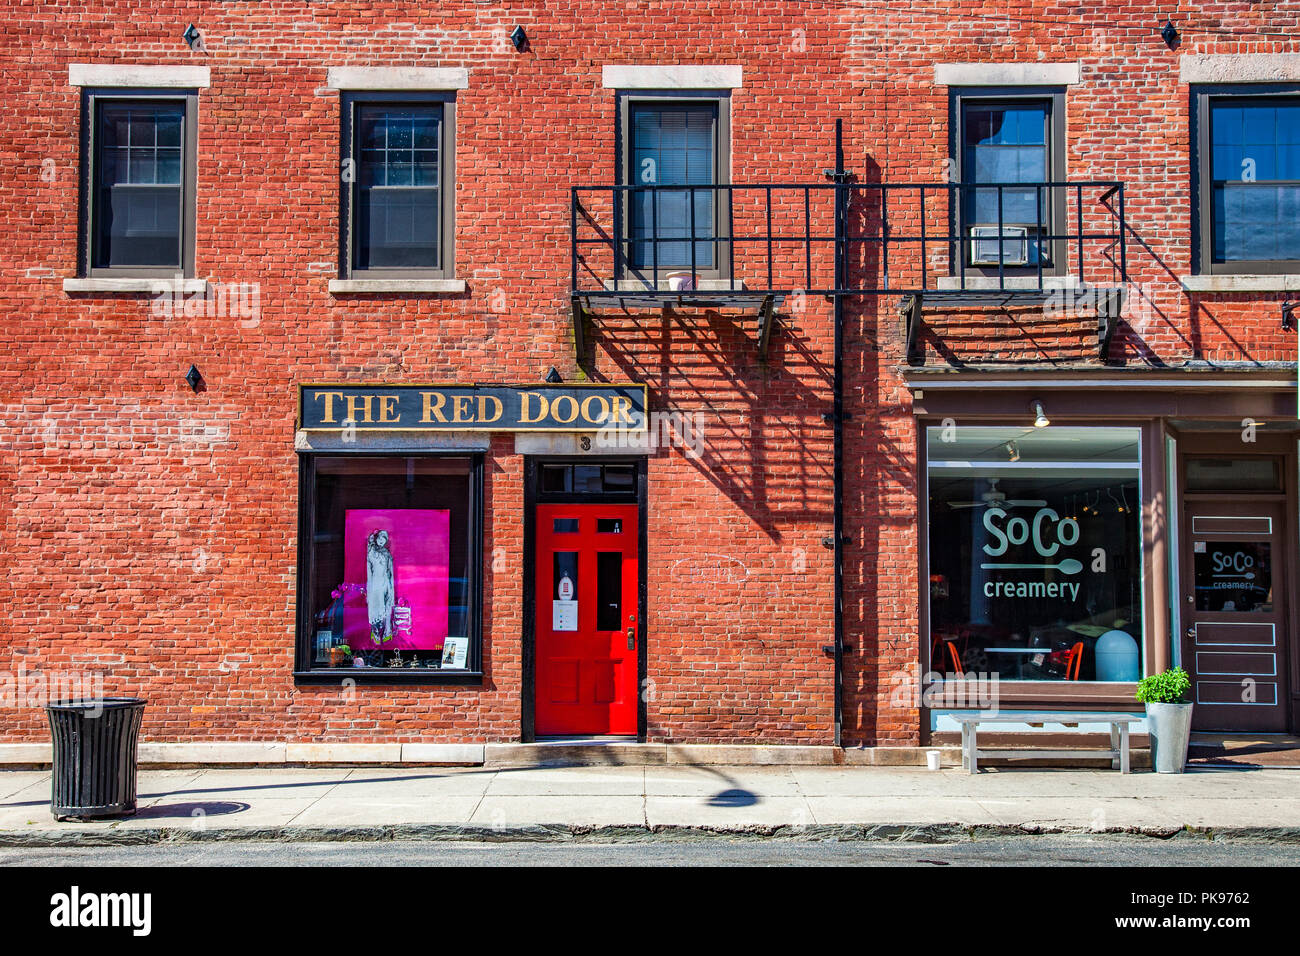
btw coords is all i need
(94, 756)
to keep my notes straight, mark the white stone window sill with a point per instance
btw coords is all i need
(666, 285)
(408, 286)
(976, 283)
(135, 284)
(1241, 283)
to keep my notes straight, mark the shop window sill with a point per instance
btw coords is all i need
(406, 286)
(384, 675)
(136, 284)
(1241, 283)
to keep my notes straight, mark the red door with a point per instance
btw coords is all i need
(587, 628)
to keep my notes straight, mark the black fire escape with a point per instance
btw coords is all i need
(763, 243)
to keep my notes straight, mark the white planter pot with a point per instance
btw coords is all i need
(1170, 726)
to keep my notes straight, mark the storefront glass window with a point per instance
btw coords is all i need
(391, 563)
(1035, 552)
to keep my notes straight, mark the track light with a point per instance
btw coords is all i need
(1040, 417)
(1013, 451)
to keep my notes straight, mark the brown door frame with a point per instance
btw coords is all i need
(1282, 447)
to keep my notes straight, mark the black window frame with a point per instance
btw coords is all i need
(628, 101)
(1202, 182)
(1057, 204)
(349, 191)
(305, 670)
(88, 240)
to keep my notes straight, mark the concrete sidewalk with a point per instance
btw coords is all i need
(614, 803)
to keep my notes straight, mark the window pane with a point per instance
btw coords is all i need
(398, 207)
(609, 590)
(1234, 576)
(1018, 518)
(586, 479)
(1256, 143)
(1007, 144)
(557, 478)
(672, 145)
(1256, 221)
(390, 560)
(620, 478)
(1233, 474)
(138, 193)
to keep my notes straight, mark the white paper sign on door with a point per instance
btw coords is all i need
(564, 615)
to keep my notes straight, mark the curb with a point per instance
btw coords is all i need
(567, 833)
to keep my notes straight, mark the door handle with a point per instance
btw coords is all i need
(631, 638)
(1191, 631)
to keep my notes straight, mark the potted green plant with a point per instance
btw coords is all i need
(1169, 717)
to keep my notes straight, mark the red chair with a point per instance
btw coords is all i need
(954, 657)
(1073, 658)
(942, 648)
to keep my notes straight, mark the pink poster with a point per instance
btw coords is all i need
(396, 564)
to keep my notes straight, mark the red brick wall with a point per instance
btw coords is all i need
(152, 532)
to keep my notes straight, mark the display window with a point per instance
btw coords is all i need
(390, 552)
(1035, 543)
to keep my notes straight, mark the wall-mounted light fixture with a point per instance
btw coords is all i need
(194, 377)
(519, 38)
(1169, 33)
(1288, 315)
(554, 377)
(1040, 416)
(193, 38)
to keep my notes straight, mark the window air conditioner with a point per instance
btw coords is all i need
(984, 245)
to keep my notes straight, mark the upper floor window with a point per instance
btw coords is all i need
(140, 185)
(1250, 174)
(676, 142)
(1006, 141)
(398, 211)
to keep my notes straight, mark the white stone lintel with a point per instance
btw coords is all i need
(1007, 74)
(685, 77)
(414, 78)
(1239, 67)
(146, 76)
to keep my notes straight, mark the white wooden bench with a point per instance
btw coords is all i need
(1119, 728)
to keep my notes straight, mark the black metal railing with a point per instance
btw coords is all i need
(780, 238)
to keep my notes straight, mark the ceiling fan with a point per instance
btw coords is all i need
(994, 498)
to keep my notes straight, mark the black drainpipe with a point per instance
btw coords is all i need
(840, 176)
